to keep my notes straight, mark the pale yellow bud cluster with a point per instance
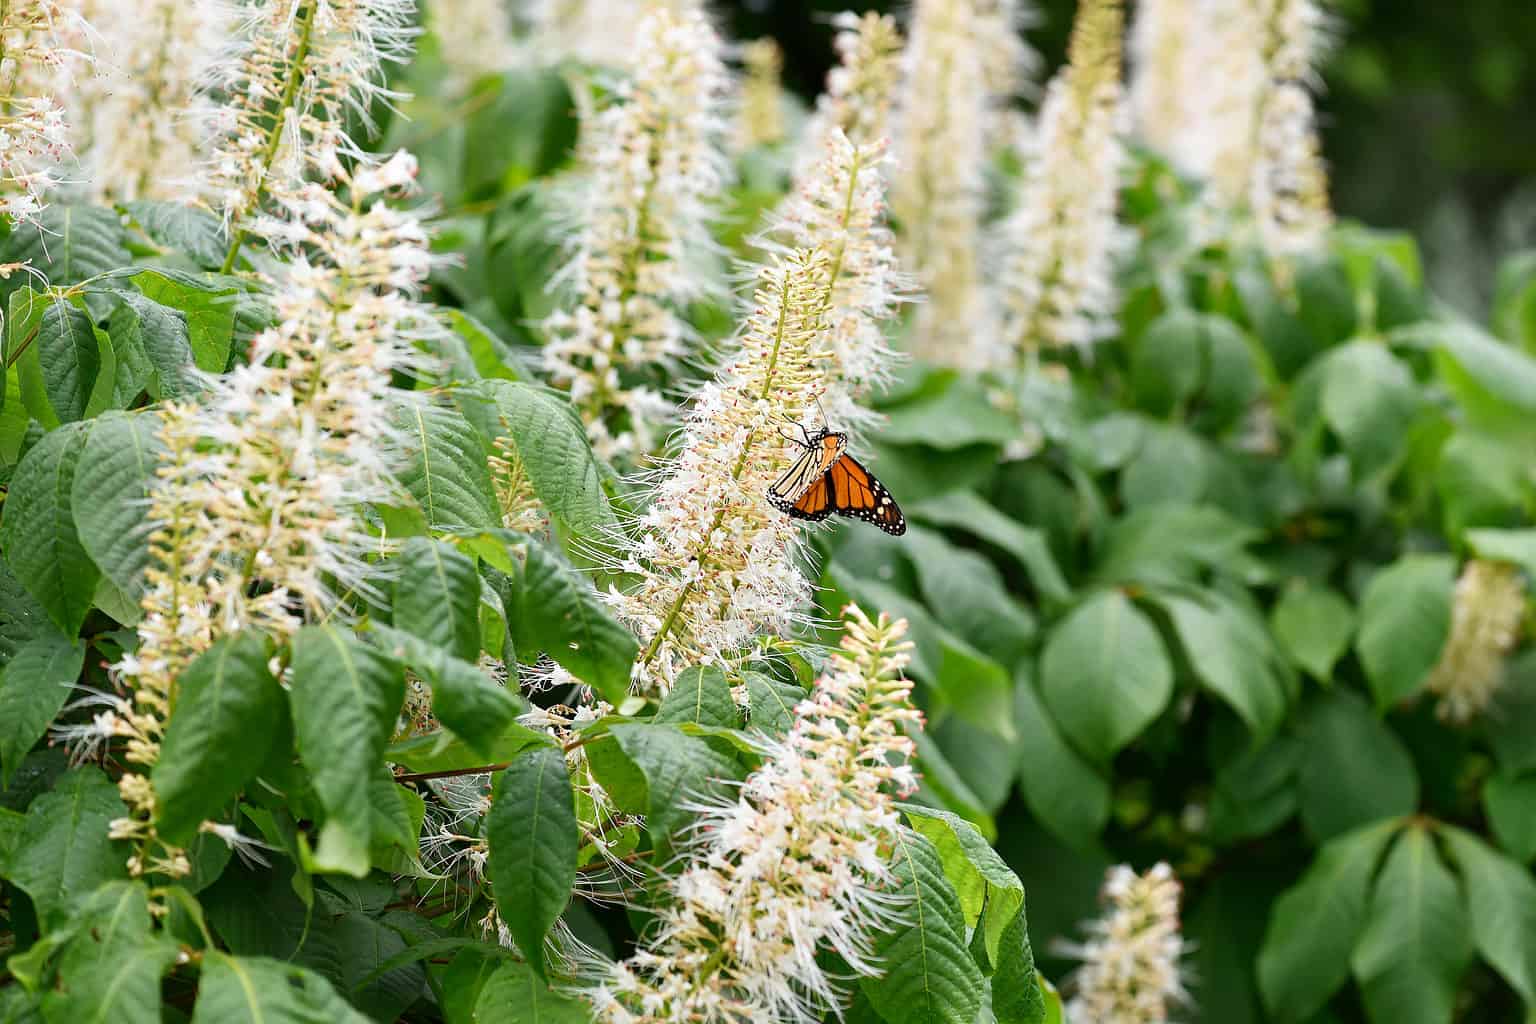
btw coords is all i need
(1485, 626)
(1130, 972)
(760, 120)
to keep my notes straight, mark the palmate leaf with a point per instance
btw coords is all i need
(41, 541)
(1501, 899)
(533, 841)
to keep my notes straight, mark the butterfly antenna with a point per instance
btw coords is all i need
(822, 409)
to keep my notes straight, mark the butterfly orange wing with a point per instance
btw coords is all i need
(815, 504)
(855, 492)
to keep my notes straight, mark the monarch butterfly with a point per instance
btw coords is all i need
(826, 479)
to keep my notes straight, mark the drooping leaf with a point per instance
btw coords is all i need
(533, 841)
(446, 471)
(345, 696)
(965, 511)
(64, 853)
(1314, 925)
(1405, 616)
(930, 977)
(469, 703)
(1105, 674)
(34, 686)
(1060, 788)
(514, 994)
(1416, 941)
(209, 305)
(1353, 768)
(1227, 661)
(990, 894)
(109, 495)
(1501, 900)
(228, 708)
(437, 597)
(1511, 808)
(550, 609)
(141, 324)
(111, 968)
(69, 358)
(259, 990)
(702, 696)
(1313, 625)
(40, 538)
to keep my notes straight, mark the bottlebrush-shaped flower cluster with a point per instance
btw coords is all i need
(1486, 617)
(795, 866)
(1131, 957)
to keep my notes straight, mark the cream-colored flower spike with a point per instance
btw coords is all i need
(143, 115)
(43, 56)
(946, 125)
(760, 120)
(256, 509)
(714, 561)
(655, 170)
(1485, 626)
(596, 31)
(1130, 972)
(1165, 83)
(838, 205)
(303, 69)
(1057, 283)
(862, 86)
(795, 866)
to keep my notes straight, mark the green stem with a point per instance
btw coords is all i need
(275, 136)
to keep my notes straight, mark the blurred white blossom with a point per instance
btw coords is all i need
(143, 116)
(1130, 972)
(861, 87)
(45, 49)
(1057, 280)
(596, 31)
(1485, 626)
(655, 169)
(760, 119)
(960, 69)
(474, 37)
(794, 866)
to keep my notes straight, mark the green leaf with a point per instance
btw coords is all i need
(71, 244)
(209, 304)
(1313, 624)
(1060, 788)
(1516, 546)
(468, 702)
(1104, 674)
(533, 841)
(444, 751)
(701, 695)
(437, 597)
(675, 769)
(1501, 898)
(966, 511)
(64, 853)
(445, 468)
(486, 350)
(1369, 399)
(34, 686)
(69, 358)
(1254, 792)
(1405, 616)
(1173, 467)
(258, 990)
(1511, 721)
(968, 596)
(110, 493)
(930, 977)
(1314, 925)
(1511, 808)
(770, 704)
(990, 894)
(183, 227)
(552, 609)
(554, 450)
(228, 710)
(1228, 662)
(345, 696)
(1353, 770)
(960, 415)
(1171, 543)
(110, 971)
(1017, 995)
(41, 541)
(1494, 383)
(1415, 945)
(514, 994)
(161, 333)
(524, 130)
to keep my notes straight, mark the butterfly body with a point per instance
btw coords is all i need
(825, 479)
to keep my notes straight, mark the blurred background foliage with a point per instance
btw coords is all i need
(1428, 116)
